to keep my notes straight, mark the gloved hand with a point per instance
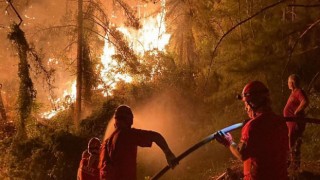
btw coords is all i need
(224, 138)
(171, 159)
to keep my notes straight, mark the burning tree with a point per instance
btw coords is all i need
(120, 49)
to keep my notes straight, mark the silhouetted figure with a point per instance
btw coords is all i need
(88, 168)
(119, 152)
(263, 146)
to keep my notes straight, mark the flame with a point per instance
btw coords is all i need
(151, 36)
(52, 61)
(109, 77)
(62, 104)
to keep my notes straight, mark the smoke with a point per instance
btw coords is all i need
(174, 118)
(162, 114)
(165, 115)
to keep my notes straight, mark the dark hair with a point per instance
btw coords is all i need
(123, 112)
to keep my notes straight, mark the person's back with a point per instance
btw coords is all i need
(267, 147)
(119, 151)
(121, 148)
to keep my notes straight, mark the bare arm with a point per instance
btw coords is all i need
(303, 104)
(161, 142)
(234, 150)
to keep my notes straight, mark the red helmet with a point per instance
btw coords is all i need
(255, 93)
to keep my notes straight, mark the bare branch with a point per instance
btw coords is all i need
(52, 28)
(98, 22)
(313, 80)
(14, 9)
(98, 7)
(48, 74)
(68, 46)
(133, 20)
(233, 28)
(294, 46)
(304, 5)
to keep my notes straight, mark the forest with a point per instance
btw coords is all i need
(65, 66)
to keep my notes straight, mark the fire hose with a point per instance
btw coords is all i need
(225, 130)
(196, 146)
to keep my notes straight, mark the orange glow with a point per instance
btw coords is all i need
(69, 97)
(110, 77)
(151, 36)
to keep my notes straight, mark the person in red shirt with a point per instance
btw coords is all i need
(295, 106)
(263, 145)
(119, 152)
(88, 168)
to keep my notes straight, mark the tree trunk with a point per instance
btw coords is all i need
(2, 110)
(79, 65)
(26, 90)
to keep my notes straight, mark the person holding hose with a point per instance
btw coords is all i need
(119, 152)
(263, 146)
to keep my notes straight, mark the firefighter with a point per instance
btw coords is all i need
(296, 104)
(88, 168)
(263, 146)
(119, 151)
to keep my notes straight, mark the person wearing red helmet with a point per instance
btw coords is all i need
(295, 106)
(88, 168)
(263, 145)
(119, 151)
